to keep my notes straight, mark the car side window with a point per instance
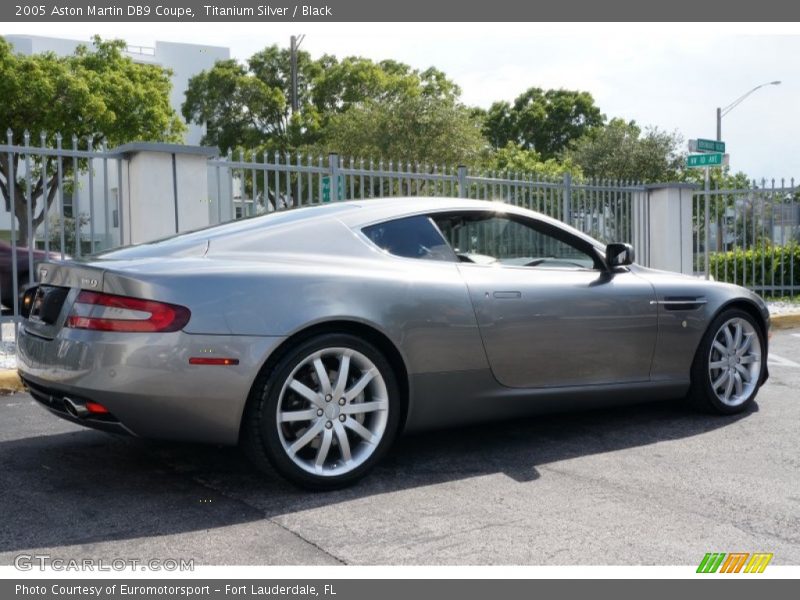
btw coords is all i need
(488, 238)
(411, 237)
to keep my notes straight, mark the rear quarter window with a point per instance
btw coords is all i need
(411, 237)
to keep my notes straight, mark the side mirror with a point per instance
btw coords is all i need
(619, 255)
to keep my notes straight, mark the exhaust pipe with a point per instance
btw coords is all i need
(76, 408)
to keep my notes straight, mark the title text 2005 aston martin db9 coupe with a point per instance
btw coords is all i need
(314, 336)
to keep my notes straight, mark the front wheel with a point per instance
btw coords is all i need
(727, 369)
(326, 413)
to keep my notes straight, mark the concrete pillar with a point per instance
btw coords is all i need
(164, 190)
(662, 226)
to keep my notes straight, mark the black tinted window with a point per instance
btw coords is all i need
(412, 237)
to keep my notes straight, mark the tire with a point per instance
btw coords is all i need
(729, 364)
(317, 430)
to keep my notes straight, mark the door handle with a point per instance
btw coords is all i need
(510, 295)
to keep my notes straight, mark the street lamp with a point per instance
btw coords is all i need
(721, 112)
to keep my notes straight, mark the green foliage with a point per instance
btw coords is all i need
(94, 94)
(736, 266)
(622, 151)
(427, 129)
(362, 108)
(545, 121)
(719, 178)
(239, 109)
(515, 159)
(249, 106)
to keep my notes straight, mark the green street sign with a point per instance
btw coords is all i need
(326, 188)
(705, 160)
(710, 146)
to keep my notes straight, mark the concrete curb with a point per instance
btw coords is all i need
(10, 381)
(785, 321)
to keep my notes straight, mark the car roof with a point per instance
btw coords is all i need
(378, 209)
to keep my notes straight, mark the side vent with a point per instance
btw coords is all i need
(681, 302)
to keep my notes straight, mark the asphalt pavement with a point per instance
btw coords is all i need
(653, 484)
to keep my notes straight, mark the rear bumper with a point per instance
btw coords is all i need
(145, 380)
(54, 401)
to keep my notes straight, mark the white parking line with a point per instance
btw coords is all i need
(796, 334)
(779, 361)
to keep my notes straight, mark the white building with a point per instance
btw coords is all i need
(184, 60)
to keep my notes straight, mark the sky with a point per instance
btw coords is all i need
(668, 75)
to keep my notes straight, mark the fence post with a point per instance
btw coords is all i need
(666, 227)
(166, 186)
(567, 208)
(462, 181)
(333, 167)
(640, 225)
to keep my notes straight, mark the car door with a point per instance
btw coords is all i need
(549, 314)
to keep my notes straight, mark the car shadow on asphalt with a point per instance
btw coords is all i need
(85, 487)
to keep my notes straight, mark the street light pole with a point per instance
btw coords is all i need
(721, 112)
(294, 42)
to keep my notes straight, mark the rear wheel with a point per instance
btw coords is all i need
(326, 414)
(727, 369)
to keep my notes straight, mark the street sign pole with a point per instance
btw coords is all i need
(707, 212)
(711, 153)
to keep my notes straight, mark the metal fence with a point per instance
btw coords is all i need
(600, 208)
(50, 212)
(750, 236)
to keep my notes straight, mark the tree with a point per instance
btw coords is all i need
(249, 105)
(514, 159)
(621, 150)
(421, 128)
(355, 79)
(98, 94)
(545, 121)
(719, 178)
(246, 105)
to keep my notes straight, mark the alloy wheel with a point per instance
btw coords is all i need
(734, 362)
(332, 411)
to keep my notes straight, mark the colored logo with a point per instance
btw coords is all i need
(734, 562)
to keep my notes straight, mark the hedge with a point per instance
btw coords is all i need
(736, 266)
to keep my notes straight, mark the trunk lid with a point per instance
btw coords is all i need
(58, 285)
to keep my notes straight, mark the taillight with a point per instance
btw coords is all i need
(108, 312)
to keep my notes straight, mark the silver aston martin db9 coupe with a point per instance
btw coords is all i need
(315, 336)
